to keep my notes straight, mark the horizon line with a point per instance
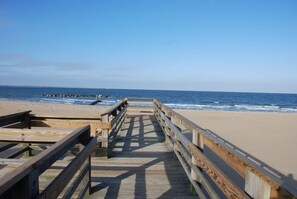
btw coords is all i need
(152, 89)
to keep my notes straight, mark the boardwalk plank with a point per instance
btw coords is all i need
(141, 165)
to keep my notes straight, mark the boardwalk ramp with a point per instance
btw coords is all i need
(135, 149)
(141, 164)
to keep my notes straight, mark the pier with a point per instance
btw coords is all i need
(139, 148)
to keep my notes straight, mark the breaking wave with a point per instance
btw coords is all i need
(236, 107)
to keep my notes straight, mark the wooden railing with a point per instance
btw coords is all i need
(16, 120)
(258, 181)
(112, 120)
(67, 122)
(23, 182)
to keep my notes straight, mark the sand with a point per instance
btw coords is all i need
(270, 137)
(51, 109)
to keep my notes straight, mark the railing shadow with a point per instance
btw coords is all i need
(135, 143)
(288, 179)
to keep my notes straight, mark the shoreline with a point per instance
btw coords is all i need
(170, 105)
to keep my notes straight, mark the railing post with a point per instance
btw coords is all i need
(102, 150)
(197, 140)
(90, 175)
(105, 132)
(26, 188)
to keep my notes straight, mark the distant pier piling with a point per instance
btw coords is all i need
(75, 95)
(97, 96)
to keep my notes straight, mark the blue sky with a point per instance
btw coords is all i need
(178, 45)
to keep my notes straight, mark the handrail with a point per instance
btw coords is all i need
(74, 117)
(23, 181)
(237, 159)
(120, 103)
(140, 98)
(14, 118)
(112, 120)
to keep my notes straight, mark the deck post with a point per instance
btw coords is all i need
(90, 175)
(26, 188)
(102, 145)
(28, 153)
(197, 140)
(177, 123)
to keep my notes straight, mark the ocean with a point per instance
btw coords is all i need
(196, 100)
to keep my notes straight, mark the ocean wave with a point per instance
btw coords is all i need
(66, 100)
(199, 106)
(215, 105)
(236, 107)
(108, 102)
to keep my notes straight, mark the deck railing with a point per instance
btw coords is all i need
(112, 120)
(67, 122)
(259, 182)
(16, 120)
(23, 182)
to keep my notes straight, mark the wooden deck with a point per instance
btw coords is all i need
(150, 152)
(141, 165)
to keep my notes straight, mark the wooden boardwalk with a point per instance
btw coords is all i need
(53, 161)
(142, 165)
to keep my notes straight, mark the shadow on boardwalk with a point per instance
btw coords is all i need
(141, 166)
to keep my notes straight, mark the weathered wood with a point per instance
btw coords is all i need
(114, 120)
(23, 124)
(105, 131)
(19, 137)
(256, 187)
(239, 164)
(6, 146)
(55, 123)
(236, 160)
(142, 103)
(193, 183)
(14, 118)
(68, 123)
(60, 182)
(175, 144)
(239, 161)
(197, 141)
(26, 188)
(70, 117)
(141, 164)
(116, 127)
(120, 103)
(42, 161)
(198, 173)
(222, 181)
(18, 152)
(44, 131)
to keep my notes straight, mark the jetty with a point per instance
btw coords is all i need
(139, 148)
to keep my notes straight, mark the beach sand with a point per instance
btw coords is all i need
(50, 109)
(270, 137)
